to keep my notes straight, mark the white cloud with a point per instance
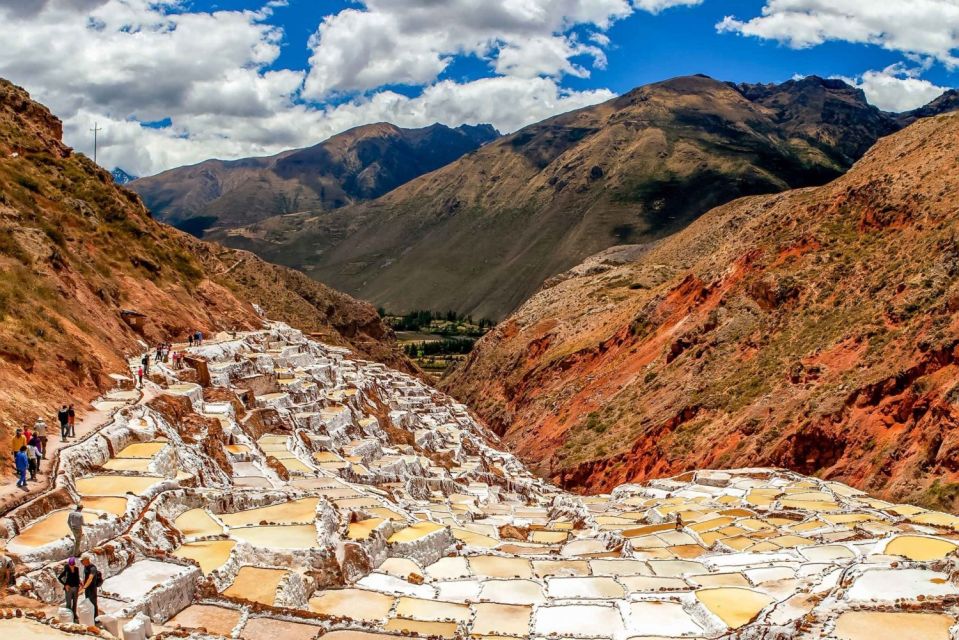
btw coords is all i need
(122, 62)
(922, 27)
(896, 88)
(413, 41)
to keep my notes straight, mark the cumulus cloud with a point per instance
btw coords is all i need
(920, 27)
(896, 88)
(210, 78)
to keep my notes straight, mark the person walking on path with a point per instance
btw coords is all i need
(75, 522)
(40, 428)
(22, 465)
(92, 580)
(33, 458)
(15, 444)
(69, 577)
(63, 416)
(145, 361)
(72, 421)
(140, 375)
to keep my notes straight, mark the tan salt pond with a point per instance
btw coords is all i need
(501, 619)
(733, 605)
(49, 529)
(211, 554)
(544, 568)
(474, 539)
(512, 592)
(356, 604)
(414, 532)
(197, 523)
(142, 450)
(139, 465)
(24, 629)
(219, 620)
(920, 548)
(256, 584)
(878, 625)
(496, 567)
(296, 536)
(114, 485)
(293, 512)
(431, 610)
(585, 587)
(237, 449)
(441, 629)
(260, 628)
(361, 530)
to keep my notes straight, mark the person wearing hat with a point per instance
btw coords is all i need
(69, 577)
(40, 428)
(75, 522)
(15, 445)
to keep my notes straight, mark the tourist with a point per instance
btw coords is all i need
(190, 337)
(92, 580)
(75, 522)
(33, 458)
(72, 421)
(69, 577)
(15, 444)
(40, 428)
(140, 375)
(63, 416)
(145, 361)
(22, 464)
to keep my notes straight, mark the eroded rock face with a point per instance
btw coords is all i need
(815, 330)
(358, 502)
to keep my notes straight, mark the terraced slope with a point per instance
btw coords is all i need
(482, 234)
(359, 164)
(309, 511)
(76, 251)
(816, 330)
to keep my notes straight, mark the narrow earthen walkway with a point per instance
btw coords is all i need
(89, 421)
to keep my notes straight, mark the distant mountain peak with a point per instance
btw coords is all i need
(122, 177)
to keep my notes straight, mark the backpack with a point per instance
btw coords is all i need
(98, 579)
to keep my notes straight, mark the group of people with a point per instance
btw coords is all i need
(195, 338)
(66, 416)
(29, 448)
(90, 580)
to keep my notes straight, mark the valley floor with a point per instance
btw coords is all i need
(282, 488)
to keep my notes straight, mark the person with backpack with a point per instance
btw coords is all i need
(69, 577)
(23, 463)
(92, 580)
(63, 416)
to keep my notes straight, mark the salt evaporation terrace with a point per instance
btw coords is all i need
(302, 492)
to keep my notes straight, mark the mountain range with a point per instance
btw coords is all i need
(816, 329)
(359, 164)
(481, 234)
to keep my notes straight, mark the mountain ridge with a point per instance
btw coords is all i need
(360, 163)
(481, 234)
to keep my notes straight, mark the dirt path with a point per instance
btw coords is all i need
(89, 421)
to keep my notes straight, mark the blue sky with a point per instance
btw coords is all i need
(176, 81)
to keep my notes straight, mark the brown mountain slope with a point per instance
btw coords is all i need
(483, 233)
(816, 329)
(359, 164)
(75, 250)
